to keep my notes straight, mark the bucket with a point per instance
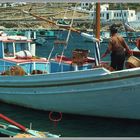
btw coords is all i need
(132, 62)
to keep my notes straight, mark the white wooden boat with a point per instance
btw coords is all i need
(92, 92)
(68, 87)
(78, 85)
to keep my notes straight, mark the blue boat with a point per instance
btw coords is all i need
(42, 36)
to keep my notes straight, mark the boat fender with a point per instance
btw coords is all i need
(23, 55)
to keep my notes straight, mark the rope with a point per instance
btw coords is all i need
(68, 36)
(66, 12)
(50, 53)
(123, 20)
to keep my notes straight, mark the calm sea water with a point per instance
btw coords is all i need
(71, 125)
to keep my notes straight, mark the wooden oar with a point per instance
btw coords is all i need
(52, 22)
(86, 35)
(23, 128)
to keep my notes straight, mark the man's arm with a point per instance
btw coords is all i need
(128, 50)
(108, 50)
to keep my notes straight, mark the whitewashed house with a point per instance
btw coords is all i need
(136, 24)
(87, 5)
(4, 5)
(104, 7)
(138, 16)
(12, 4)
(92, 6)
(109, 15)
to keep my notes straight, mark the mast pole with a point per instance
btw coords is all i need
(98, 20)
(97, 34)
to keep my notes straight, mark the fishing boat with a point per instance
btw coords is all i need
(79, 85)
(10, 128)
(49, 34)
(42, 36)
(62, 22)
(130, 36)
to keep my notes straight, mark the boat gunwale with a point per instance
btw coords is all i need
(68, 81)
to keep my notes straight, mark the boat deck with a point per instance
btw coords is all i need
(69, 60)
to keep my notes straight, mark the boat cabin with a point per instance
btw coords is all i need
(20, 51)
(11, 45)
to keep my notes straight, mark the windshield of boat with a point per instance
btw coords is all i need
(8, 49)
(21, 46)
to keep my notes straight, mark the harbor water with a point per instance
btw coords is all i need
(71, 125)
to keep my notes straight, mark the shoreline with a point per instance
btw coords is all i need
(12, 18)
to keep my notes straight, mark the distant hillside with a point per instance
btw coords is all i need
(131, 6)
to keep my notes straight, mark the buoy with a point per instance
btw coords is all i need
(55, 119)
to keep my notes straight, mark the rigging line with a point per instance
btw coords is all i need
(62, 54)
(50, 21)
(71, 25)
(123, 20)
(50, 54)
(68, 36)
(25, 19)
(122, 13)
(66, 12)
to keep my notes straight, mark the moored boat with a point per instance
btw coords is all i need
(10, 128)
(130, 36)
(77, 85)
(42, 36)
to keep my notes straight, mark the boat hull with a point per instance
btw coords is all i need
(113, 94)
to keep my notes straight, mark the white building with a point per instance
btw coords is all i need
(92, 6)
(12, 4)
(138, 16)
(104, 7)
(86, 5)
(108, 15)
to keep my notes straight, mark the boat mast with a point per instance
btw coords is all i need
(123, 21)
(98, 20)
(97, 43)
